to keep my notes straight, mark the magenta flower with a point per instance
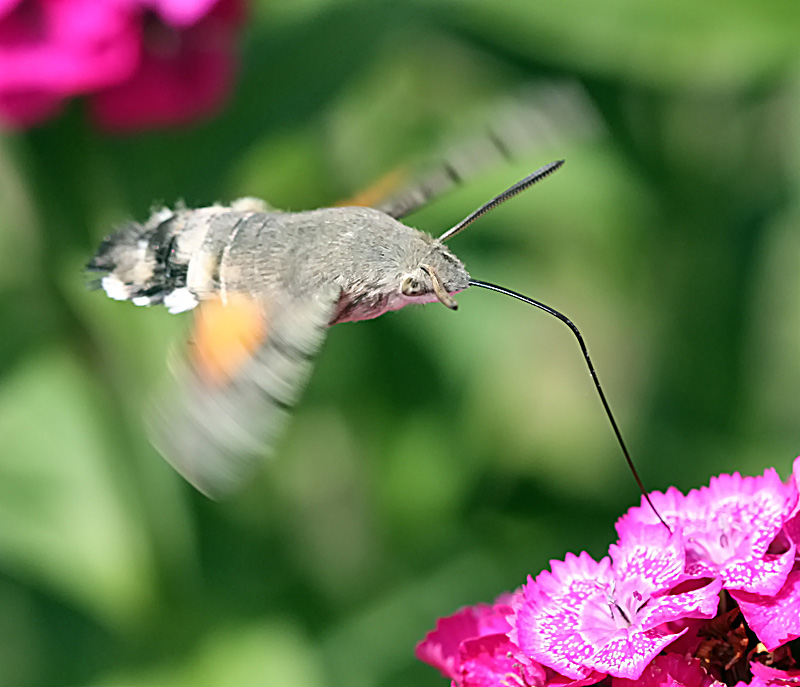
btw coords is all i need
(186, 67)
(493, 661)
(773, 677)
(587, 616)
(147, 62)
(646, 616)
(52, 49)
(177, 12)
(441, 646)
(472, 648)
(671, 670)
(776, 619)
(731, 529)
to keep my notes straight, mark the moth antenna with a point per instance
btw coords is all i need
(595, 379)
(517, 188)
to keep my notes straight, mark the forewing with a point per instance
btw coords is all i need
(545, 115)
(246, 367)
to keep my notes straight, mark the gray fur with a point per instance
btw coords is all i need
(362, 251)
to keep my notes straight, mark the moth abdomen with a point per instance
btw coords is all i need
(138, 261)
(168, 260)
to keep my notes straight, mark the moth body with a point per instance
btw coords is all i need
(266, 286)
(180, 258)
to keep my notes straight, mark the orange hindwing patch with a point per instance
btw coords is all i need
(377, 192)
(226, 335)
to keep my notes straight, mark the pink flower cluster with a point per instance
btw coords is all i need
(143, 63)
(714, 599)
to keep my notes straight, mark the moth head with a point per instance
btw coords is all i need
(440, 273)
(437, 277)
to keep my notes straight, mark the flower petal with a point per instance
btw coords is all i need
(442, 646)
(7, 5)
(671, 670)
(697, 603)
(181, 12)
(25, 109)
(66, 48)
(668, 504)
(775, 619)
(489, 661)
(184, 74)
(766, 575)
(774, 677)
(728, 528)
(649, 553)
(628, 654)
(547, 621)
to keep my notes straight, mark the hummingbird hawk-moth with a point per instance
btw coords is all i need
(266, 285)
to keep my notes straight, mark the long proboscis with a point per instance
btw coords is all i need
(574, 329)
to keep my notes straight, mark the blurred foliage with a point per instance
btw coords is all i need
(437, 458)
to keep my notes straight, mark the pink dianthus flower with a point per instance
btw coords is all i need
(145, 63)
(442, 645)
(472, 648)
(185, 70)
(671, 670)
(646, 616)
(731, 529)
(609, 617)
(776, 618)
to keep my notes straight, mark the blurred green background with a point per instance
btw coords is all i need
(437, 458)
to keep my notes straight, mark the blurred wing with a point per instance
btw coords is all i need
(377, 193)
(545, 115)
(247, 365)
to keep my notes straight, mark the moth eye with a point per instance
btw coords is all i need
(411, 287)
